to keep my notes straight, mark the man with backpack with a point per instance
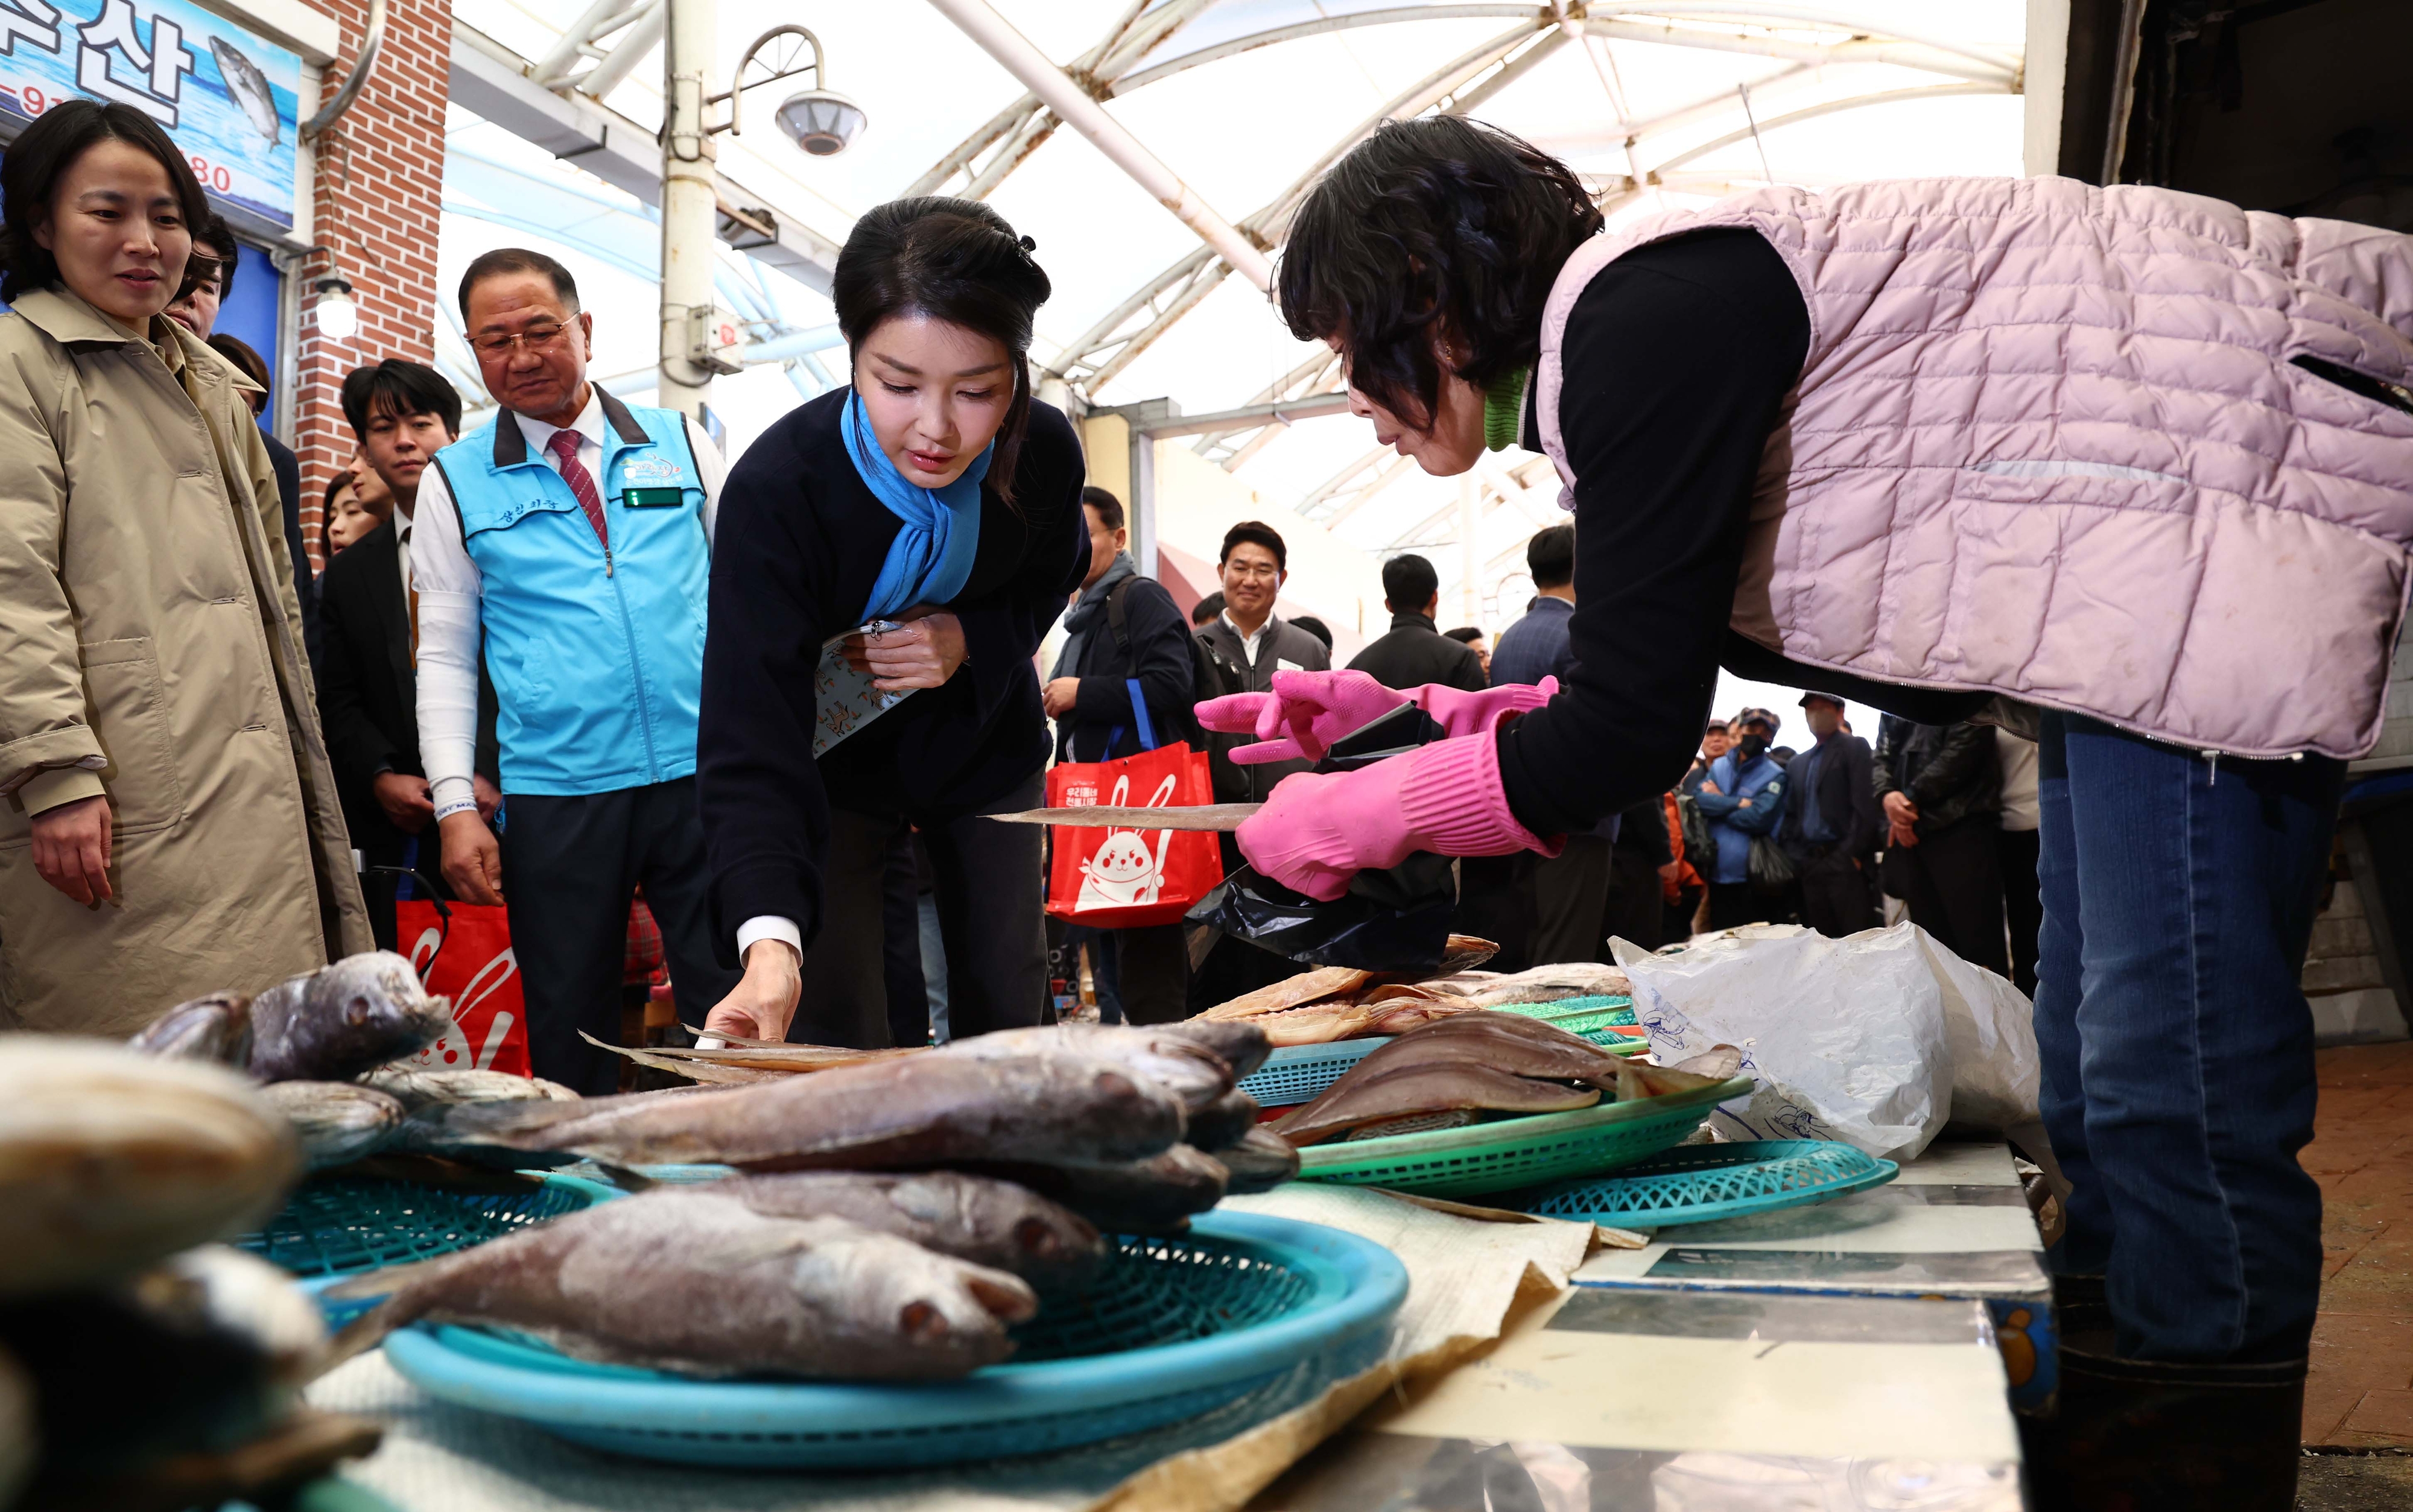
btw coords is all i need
(1125, 681)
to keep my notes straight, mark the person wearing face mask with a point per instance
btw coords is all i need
(171, 825)
(932, 493)
(571, 537)
(1743, 798)
(2032, 449)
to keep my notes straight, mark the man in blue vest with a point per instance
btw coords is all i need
(574, 534)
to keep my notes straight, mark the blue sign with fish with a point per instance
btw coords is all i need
(230, 98)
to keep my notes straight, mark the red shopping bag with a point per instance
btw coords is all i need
(468, 959)
(1119, 878)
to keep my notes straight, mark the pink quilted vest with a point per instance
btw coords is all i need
(2048, 443)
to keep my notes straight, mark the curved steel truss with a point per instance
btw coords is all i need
(1150, 42)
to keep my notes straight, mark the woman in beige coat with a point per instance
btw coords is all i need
(170, 825)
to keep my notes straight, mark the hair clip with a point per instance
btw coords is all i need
(1029, 245)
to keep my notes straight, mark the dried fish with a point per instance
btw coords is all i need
(111, 1160)
(1289, 993)
(1225, 1122)
(212, 1028)
(1259, 1162)
(1505, 1041)
(991, 1223)
(1544, 984)
(339, 1121)
(694, 1280)
(1318, 1023)
(1180, 1065)
(1719, 1063)
(717, 1072)
(1156, 1195)
(197, 1355)
(913, 1111)
(1243, 1045)
(1359, 1098)
(415, 1089)
(342, 1020)
(1636, 1080)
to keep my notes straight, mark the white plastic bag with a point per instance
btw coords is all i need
(1877, 1039)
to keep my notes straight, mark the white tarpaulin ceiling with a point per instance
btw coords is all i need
(1658, 105)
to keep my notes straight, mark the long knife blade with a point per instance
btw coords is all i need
(1213, 816)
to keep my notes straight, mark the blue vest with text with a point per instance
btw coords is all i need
(597, 656)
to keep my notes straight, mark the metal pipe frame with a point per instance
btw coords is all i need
(1093, 360)
(1077, 108)
(641, 36)
(1100, 353)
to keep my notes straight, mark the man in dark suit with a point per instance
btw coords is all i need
(1832, 823)
(1415, 652)
(368, 698)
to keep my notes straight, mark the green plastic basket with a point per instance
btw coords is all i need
(1592, 1018)
(341, 1226)
(1513, 1152)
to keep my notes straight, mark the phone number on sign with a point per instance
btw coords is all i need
(35, 101)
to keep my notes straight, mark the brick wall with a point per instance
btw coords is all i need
(380, 183)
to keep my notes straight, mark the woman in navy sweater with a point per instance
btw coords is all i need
(932, 493)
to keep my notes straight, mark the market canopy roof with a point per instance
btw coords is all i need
(1246, 102)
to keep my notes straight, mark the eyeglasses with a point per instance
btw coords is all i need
(535, 338)
(1252, 569)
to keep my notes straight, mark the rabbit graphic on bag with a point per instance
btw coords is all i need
(1123, 871)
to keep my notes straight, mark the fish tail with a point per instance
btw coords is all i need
(370, 1329)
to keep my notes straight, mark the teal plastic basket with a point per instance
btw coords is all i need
(1511, 1154)
(1296, 1074)
(1702, 1183)
(347, 1224)
(1245, 1312)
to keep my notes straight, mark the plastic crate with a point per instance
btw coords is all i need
(1515, 1153)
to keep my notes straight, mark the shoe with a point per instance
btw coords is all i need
(2135, 1435)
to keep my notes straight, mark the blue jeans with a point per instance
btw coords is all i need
(2178, 898)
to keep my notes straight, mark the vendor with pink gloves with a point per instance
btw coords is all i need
(2125, 465)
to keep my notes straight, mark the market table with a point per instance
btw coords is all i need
(1846, 1355)
(1840, 1355)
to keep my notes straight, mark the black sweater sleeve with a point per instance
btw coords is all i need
(1677, 359)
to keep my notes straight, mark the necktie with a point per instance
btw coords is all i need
(564, 446)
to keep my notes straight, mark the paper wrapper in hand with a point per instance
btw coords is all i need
(844, 700)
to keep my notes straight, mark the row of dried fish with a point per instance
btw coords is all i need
(1455, 1070)
(894, 1219)
(1336, 1003)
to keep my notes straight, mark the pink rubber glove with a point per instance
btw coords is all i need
(1462, 713)
(1301, 717)
(1318, 831)
(1306, 712)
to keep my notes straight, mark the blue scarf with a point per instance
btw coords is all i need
(931, 558)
